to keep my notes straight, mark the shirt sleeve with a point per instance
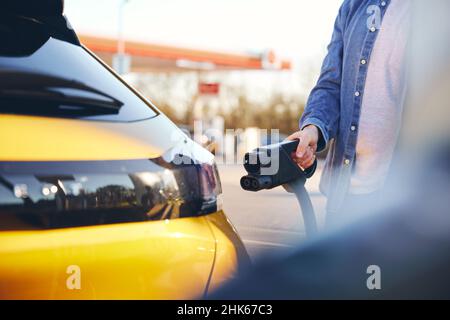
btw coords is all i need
(323, 105)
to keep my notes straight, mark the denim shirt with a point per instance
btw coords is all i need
(334, 105)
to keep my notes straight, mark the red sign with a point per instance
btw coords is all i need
(209, 88)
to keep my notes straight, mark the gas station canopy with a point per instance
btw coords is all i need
(148, 57)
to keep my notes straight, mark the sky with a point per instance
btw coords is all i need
(296, 29)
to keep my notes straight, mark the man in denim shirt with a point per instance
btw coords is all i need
(357, 102)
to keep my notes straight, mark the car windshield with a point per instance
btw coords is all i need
(41, 74)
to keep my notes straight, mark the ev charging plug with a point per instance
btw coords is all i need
(271, 166)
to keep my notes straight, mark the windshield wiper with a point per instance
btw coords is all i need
(31, 91)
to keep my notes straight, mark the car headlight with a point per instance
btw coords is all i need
(182, 183)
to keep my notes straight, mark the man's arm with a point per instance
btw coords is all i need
(319, 122)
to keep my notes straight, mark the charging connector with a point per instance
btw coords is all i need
(264, 174)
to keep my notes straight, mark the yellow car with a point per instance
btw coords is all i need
(101, 195)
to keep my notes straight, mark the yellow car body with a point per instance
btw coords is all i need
(169, 259)
(175, 256)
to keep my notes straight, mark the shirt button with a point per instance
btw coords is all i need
(353, 128)
(363, 61)
(357, 94)
(383, 3)
(347, 162)
(373, 29)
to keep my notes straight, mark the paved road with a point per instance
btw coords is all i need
(269, 222)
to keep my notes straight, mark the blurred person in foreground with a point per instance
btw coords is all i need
(357, 103)
(407, 243)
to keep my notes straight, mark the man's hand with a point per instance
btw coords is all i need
(307, 147)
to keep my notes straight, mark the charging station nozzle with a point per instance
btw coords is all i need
(272, 166)
(255, 183)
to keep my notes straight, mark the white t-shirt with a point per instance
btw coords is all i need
(381, 109)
